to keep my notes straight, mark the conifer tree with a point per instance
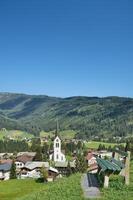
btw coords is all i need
(13, 171)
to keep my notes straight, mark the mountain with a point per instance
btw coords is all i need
(89, 116)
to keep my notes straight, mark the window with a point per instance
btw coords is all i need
(57, 145)
(61, 157)
(57, 156)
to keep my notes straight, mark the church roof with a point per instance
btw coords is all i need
(64, 164)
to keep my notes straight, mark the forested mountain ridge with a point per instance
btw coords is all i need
(87, 115)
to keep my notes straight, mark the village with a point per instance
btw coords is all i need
(92, 163)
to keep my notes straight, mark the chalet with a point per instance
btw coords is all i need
(30, 154)
(62, 166)
(23, 158)
(32, 169)
(90, 158)
(52, 174)
(92, 163)
(5, 171)
(5, 155)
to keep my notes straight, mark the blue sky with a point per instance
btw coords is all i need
(67, 47)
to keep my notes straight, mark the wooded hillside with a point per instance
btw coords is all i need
(87, 115)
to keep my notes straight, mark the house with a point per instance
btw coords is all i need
(90, 158)
(52, 174)
(30, 154)
(92, 163)
(62, 166)
(19, 164)
(104, 154)
(5, 155)
(57, 155)
(5, 171)
(23, 158)
(32, 169)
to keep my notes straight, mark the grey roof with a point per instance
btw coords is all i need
(64, 164)
(36, 164)
(26, 153)
(5, 167)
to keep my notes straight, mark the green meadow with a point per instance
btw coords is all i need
(66, 134)
(95, 145)
(15, 134)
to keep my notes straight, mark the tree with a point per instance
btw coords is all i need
(80, 164)
(13, 171)
(44, 173)
(127, 147)
(38, 156)
(69, 170)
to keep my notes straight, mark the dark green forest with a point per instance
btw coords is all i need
(89, 116)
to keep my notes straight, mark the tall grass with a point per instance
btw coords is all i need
(64, 189)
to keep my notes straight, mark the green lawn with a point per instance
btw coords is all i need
(12, 189)
(95, 145)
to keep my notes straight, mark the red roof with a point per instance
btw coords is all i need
(25, 158)
(8, 161)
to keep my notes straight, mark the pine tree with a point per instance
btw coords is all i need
(80, 164)
(13, 171)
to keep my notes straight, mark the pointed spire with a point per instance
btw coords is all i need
(57, 127)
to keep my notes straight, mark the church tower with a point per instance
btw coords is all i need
(58, 155)
(57, 149)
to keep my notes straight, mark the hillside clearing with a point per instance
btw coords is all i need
(95, 145)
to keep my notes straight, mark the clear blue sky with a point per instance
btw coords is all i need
(67, 47)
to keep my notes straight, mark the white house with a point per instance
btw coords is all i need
(32, 169)
(19, 165)
(57, 155)
(91, 159)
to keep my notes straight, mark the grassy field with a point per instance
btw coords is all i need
(15, 134)
(13, 189)
(63, 189)
(95, 145)
(66, 134)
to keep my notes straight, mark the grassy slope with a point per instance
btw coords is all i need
(95, 145)
(64, 189)
(67, 134)
(10, 190)
(15, 134)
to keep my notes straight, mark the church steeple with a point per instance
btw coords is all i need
(57, 128)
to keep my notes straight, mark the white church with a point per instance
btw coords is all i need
(57, 155)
